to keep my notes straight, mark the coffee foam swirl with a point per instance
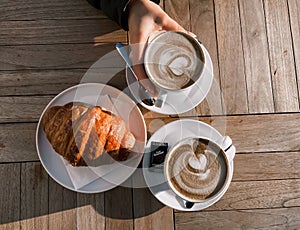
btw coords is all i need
(173, 61)
(195, 174)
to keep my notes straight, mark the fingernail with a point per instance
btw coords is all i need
(192, 34)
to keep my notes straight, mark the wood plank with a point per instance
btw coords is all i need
(281, 218)
(266, 166)
(17, 142)
(264, 133)
(118, 208)
(260, 194)
(22, 109)
(57, 56)
(294, 10)
(10, 196)
(179, 11)
(149, 213)
(38, 82)
(259, 133)
(248, 195)
(90, 211)
(62, 207)
(203, 12)
(52, 82)
(281, 56)
(34, 196)
(250, 134)
(43, 9)
(257, 63)
(66, 31)
(231, 58)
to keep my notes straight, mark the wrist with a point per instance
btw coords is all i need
(126, 12)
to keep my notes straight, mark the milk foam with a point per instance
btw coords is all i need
(198, 163)
(173, 61)
(193, 174)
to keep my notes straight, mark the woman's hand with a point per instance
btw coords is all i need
(146, 18)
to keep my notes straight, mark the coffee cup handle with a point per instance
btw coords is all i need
(226, 144)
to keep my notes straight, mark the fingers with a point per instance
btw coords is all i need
(144, 80)
(137, 59)
(171, 24)
(138, 43)
(137, 51)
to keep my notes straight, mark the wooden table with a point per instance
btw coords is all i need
(47, 46)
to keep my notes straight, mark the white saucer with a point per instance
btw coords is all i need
(92, 93)
(177, 103)
(172, 133)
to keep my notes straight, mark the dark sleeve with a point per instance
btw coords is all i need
(115, 10)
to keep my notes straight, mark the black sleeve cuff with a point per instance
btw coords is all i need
(115, 10)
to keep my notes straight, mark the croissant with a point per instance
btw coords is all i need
(83, 134)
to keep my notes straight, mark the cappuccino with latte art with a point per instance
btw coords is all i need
(196, 169)
(173, 60)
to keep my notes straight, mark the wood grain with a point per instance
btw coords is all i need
(248, 195)
(22, 109)
(179, 11)
(202, 20)
(281, 56)
(62, 204)
(66, 31)
(58, 56)
(294, 11)
(279, 218)
(264, 133)
(38, 82)
(34, 196)
(266, 166)
(257, 63)
(118, 208)
(52, 82)
(43, 9)
(231, 57)
(260, 194)
(17, 142)
(258, 134)
(90, 211)
(10, 188)
(149, 213)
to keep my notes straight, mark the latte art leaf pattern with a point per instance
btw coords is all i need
(195, 172)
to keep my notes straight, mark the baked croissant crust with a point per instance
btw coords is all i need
(83, 134)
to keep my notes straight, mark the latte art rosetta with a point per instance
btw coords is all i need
(195, 172)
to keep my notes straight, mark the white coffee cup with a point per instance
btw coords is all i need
(174, 61)
(198, 170)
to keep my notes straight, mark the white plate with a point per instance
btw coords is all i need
(172, 133)
(91, 93)
(177, 103)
